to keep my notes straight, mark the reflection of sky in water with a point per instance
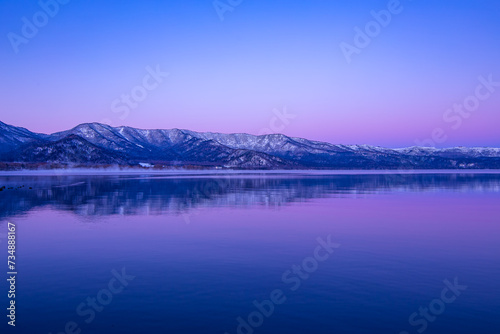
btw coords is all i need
(397, 247)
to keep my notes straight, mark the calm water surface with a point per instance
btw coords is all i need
(204, 250)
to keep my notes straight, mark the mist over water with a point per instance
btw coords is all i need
(207, 247)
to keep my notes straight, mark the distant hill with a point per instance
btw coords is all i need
(95, 144)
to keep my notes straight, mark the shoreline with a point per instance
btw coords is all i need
(185, 172)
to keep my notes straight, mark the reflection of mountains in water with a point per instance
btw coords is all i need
(108, 195)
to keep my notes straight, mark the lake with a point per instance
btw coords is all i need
(254, 253)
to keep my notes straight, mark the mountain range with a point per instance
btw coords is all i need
(95, 144)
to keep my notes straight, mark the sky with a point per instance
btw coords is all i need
(388, 73)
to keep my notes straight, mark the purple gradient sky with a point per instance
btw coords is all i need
(228, 76)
